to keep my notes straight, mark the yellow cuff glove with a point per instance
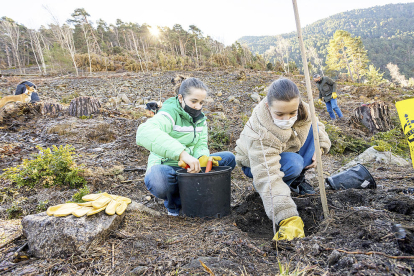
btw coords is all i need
(95, 203)
(204, 158)
(289, 229)
(334, 95)
(320, 101)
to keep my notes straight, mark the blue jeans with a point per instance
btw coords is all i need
(161, 181)
(333, 105)
(292, 164)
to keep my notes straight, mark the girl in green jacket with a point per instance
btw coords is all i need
(178, 132)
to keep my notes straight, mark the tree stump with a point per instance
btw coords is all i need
(375, 117)
(52, 109)
(16, 113)
(84, 106)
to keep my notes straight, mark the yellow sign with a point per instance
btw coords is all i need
(406, 113)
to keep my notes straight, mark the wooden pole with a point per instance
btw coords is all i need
(313, 116)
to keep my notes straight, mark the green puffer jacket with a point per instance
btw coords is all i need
(171, 131)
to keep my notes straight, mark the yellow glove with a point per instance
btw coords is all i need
(95, 203)
(204, 158)
(334, 95)
(289, 229)
(320, 101)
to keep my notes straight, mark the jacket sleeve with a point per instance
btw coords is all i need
(267, 179)
(333, 83)
(201, 148)
(154, 136)
(324, 141)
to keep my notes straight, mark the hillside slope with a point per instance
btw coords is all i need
(386, 31)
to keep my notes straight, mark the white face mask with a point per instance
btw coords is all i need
(285, 124)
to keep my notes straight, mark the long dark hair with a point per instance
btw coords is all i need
(286, 90)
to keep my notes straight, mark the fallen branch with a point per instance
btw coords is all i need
(3, 270)
(251, 246)
(371, 253)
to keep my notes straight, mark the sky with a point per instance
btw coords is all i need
(224, 20)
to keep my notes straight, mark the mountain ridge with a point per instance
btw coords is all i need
(386, 31)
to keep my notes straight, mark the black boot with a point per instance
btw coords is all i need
(301, 186)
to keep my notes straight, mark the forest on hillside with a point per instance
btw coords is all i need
(79, 44)
(387, 33)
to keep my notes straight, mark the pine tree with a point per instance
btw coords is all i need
(374, 76)
(338, 57)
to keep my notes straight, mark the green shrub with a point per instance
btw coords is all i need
(49, 167)
(42, 206)
(15, 210)
(393, 140)
(77, 197)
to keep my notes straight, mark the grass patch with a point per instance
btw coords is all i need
(219, 135)
(68, 98)
(342, 143)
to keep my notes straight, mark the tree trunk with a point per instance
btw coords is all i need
(375, 117)
(84, 106)
(51, 109)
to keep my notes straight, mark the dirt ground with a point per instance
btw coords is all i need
(369, 232)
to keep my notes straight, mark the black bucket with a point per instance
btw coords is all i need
(357, 177)
(205, 194)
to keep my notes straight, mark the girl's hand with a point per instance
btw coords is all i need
(190, 161)
(313, 165)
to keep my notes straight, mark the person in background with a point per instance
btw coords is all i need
(276, 148)
(327, 93)
(178, 132)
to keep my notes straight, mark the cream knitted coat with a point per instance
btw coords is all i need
(260, 129)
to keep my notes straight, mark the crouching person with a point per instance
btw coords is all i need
(178, 132)
(276, 148)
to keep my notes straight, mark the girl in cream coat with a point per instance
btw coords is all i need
(275, 148)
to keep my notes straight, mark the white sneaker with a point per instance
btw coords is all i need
(173, 214)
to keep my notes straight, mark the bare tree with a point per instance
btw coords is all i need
(64, 36)
(314, 57)
(12, 31)
(37, 50)
(396, 76)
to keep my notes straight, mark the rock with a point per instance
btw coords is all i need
(236, 101)
(255, 97)
(124, 98)
(333, 258)
(219, 115)
(148, 198)
(219, 106)
(139, 101)
(231, 98)
(121, 177)
(51, 237)
(219, 94)
(315, 250)
(138, 207)
(114, 100)
(371, 155)
(139, 270)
